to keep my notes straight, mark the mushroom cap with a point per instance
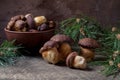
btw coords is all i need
(18, 17)
(19, 24)
(70, 59)
(30, 21)
(61, 38)
(48, 45)
(39, 20)
(88, 43)
(42, 27)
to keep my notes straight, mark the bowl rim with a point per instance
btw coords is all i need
(28, 32)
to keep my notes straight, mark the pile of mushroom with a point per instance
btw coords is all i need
(23, 23)
(87, 46)
(58, 49)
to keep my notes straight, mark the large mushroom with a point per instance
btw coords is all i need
(75, 61)
(87, 46)
(50, 53)
(64, 45)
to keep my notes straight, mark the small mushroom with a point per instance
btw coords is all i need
(75, 61)
(87, 45)
(20, 26)
(42, 27)
(50, 53)
(40, 20)
(64, 45)
(30, 21)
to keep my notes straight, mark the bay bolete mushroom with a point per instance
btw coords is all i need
(30, 21)
(64, 45)
(42, 27)
(75, 61)
(18, 17)
(87, 45)
(20, 26)
(40, 20)
(10, 25)
(50, 53)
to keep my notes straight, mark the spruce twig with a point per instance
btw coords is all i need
(8, 52)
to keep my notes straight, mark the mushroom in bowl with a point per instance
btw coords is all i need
(23, 29)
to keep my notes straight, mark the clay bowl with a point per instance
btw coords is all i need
(29, 39)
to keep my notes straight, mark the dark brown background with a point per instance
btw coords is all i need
(105, 11)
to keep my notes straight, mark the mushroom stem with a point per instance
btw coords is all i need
(88, 54)
(75, 61)
(51, 55)
(80, 62)
(64, 50)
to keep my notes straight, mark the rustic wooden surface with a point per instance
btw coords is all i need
(32, 68)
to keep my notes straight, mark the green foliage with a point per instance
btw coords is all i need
(111, 49)
(78, 28)
(8, 53)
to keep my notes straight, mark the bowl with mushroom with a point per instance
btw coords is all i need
(29, 31)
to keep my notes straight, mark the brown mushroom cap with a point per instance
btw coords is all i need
(88, 43)
(70, 59)
(61, 38)
(48, 45)
(42, 27)
(19, 24)
(18, 17)
(10, 25)
(30, 21)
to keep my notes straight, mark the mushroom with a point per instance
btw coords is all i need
(42, 27)
(18, 17)
(87, 45)
(75, 61)
(20, 26)
(10, 25)
(13, 20)
(30, 21)
(50, 53)
(64, 45)
(40, 20)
